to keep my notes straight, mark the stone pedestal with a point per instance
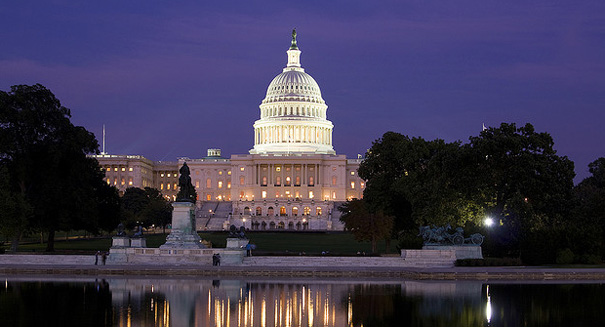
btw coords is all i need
(237, 243)
(138, 242)
(462, 251)
(120, 242)
(184, 233)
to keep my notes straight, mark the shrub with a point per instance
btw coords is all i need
(591, 259)
(565, 257)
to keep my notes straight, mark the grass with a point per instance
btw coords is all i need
(268, 243)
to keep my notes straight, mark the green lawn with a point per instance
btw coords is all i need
(278, 243)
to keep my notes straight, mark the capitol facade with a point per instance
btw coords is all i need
(292, 179)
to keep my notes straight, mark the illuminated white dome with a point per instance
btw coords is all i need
(293, 113)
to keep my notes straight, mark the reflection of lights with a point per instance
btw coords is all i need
(488, 306)
(350, 312)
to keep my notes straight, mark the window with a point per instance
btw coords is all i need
(288, 181)
(168, 175)
(318, 211)
(282, 211)
(278, 181)
(270, 211)
(333, 168)
(123, 169)
(310, 194)
(122, 182)
(208, 183)
(130, 181)
(264, 194)
(115, 169)
(168, 186)
(197, 184)
(229, 172)
(362, 184)
(311, 181)
(352, 185)
(208, 197)
(333, 180)
(259, 211)
(108, 169)
(162, 186)
(295, 211)
(241, 194)
(246, 211)
(220, 172)
(242, 180)
(352, 173)
(277, 168)
(220, 184)
(228, 184)
(162, 175)
(264, 181)
(115, 181)
(307, 211)
(333, 194)
(241, 168)
(297, 181)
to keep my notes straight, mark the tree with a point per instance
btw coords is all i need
(146, 207)
(365, 225)
(45, 156)
(588, 226)
(516, 175)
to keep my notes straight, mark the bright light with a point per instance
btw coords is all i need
(488, 307)
(488, 222)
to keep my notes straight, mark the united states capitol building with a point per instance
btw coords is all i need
(291, 179)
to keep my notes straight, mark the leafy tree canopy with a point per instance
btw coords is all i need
(146, 207)
(365, 225)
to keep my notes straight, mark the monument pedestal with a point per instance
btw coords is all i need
(462, 251)
(117, 252)
(138, 242)
(183, 234)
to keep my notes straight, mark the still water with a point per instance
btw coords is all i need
(204, 302)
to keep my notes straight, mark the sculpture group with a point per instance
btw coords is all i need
(444, 236)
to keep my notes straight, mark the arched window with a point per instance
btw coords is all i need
(333, 180)
(307, 211)
(264, 181)
(282, 211)
(263, 225)
(272, 225)
(311, 181)
(290, 225)
(246, 211)
(270, 211)
(288, 180)
(278, 181)
(295, 211)
(318, 211)
(281, 225)
(297, 183)
(259, 211)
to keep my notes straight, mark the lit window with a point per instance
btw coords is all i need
(362, 184)
(264, 181)
(277, 168)
(197, 184)
(208, 197)
(278, 181)
(220, 184)
(229, 172)
(311, 181)
(307, 211)
(352, 173)
(162, 186)
(241, 194)
(115, 181)
(174, 185)
(318, 211)
(123, 169)
(197, 172)
(220, 172)
(241, 168)
(264, 194)
(108, 169)
(108, 182)
(228, 184)
(333, 180)
(297, 180)
(115, 169)
(162, 175)
(242, 180)
(287, 168)
(129, 168)
(288, 181)
(352, 184)
(333, 194)
(208, 183)
(294, 211)
(168, 175)
(168, 186)
(311, 194)
(130, 181)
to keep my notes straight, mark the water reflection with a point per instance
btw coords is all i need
(194, 302)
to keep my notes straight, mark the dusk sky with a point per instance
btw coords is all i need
(172, 78)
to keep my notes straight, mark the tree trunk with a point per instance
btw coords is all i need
(15, 241)
(373, 244)
(50, 246)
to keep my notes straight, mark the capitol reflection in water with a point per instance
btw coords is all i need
(194, 302)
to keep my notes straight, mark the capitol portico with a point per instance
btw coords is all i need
(292, 178)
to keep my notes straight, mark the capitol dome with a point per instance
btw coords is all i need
(293, 113)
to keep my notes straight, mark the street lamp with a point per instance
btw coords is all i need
(488, 221)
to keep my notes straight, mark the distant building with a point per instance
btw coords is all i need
(291, 179)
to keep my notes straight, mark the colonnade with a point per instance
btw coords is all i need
(293, 134)
(293, 111)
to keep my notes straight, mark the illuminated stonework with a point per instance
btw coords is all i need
(293, 114)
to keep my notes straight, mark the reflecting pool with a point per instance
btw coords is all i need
(289, 302)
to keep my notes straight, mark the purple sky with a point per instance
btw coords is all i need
(172, 78)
